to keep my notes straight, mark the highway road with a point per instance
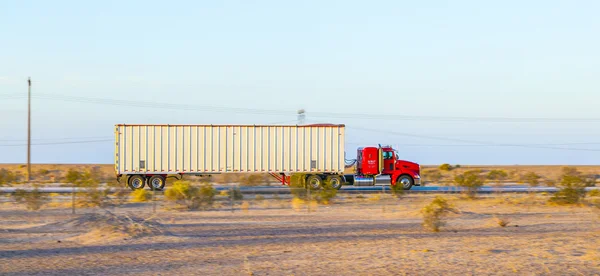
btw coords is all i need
(345, 189)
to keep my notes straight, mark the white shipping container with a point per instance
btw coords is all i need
(211, 149)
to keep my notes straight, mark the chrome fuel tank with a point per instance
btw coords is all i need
(370, 181)
(363, 181)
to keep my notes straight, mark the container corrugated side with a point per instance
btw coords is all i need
(204, 149)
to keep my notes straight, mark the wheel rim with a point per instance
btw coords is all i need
(335, 182)
(314, 183)
(157, 183)
(405, 182)
(137, 183)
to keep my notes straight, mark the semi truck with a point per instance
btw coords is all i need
(147, 155)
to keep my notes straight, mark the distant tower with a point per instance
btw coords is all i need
(301, 116)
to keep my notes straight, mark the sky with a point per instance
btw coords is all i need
(460, 82)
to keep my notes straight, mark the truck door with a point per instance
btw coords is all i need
(388, 161)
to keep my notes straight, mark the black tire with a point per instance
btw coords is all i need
(158, 181)
(405, 181)
(314, 182)
(335, 181)
(136, 182)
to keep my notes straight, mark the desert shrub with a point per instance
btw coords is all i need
(299, 190)
(259, 198)
(470, 181)
(7, 177)
(253, 180)
(432, 176)
(245, 206)
(445, 167)
(501, 221)
(236, 193)
(375, 198)
(434, 213)
(192, 197)
(497, 175)
(397, 190)
(325, 195)
(457, 166)
(298, 185)
(572, 188)
(33, 200)
(95, 197)
(141, 195)
(593, 193)
(531, 178)
(91, 195)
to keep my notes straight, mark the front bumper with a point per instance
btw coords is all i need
(417, 180)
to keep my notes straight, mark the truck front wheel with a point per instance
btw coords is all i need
(136, 182)
(405, 181)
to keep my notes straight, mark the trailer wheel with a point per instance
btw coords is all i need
(157, 182)
(405, 181)
(335, 181)
(314, 182)
(136, 182)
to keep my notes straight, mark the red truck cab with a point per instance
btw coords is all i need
(382, 164)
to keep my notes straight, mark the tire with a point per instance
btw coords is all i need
(158, 181)
(406, 181)
(314, 182)
(136, 182)
(335, 181)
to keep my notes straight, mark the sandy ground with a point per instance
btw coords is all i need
(375, 235)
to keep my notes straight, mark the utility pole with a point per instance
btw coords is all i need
(29, 131)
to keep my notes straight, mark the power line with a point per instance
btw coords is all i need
(55, 139)
(479, 143)
(384, 117)
(59, 143)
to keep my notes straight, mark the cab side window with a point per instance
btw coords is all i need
(387, 155)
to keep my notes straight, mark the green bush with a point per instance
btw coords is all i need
(593, 193)
(434, 213)
(299, 190)
(192, 197)
(531, 178)
(572, 188)
(445, 167)
(397, 190)
(497, 175)
(7, 177)
(236, 194)
(325, 195)
(91, 195)
(470, 181)
(33, 200)
(141, 195)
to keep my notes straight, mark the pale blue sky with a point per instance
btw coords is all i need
(471, 59)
